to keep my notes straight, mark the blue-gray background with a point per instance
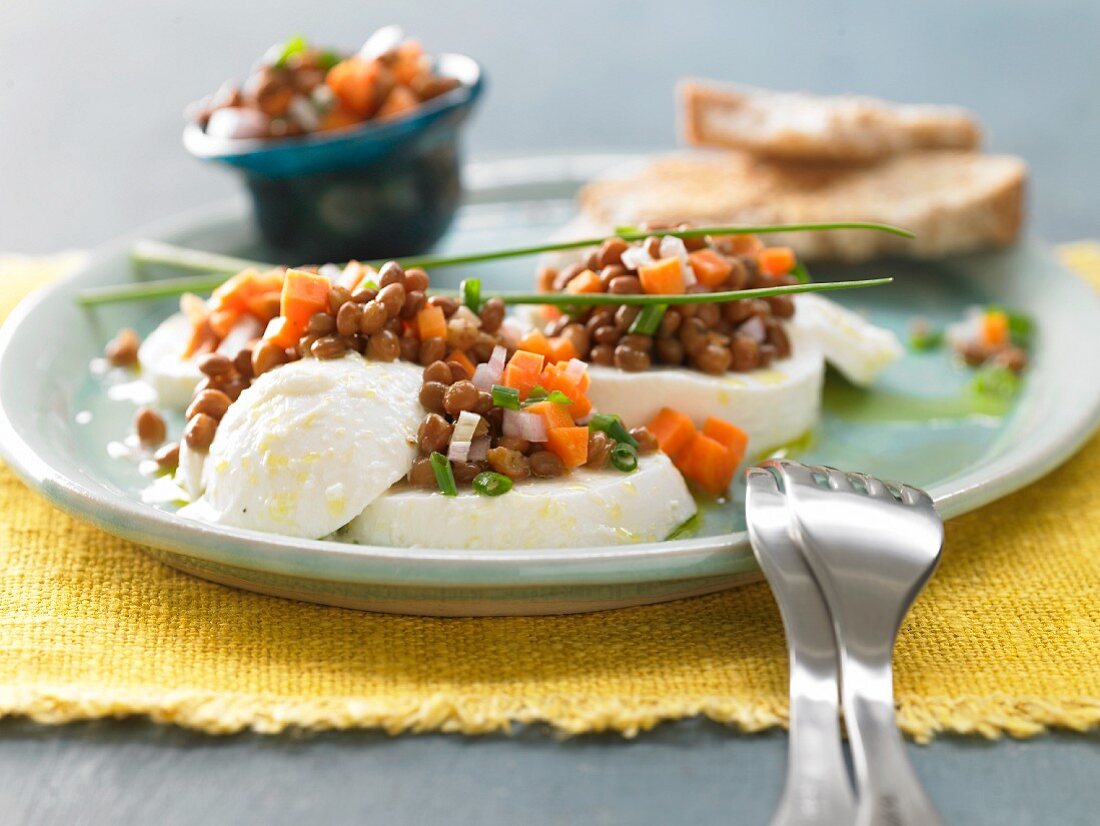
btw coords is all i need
(92, 91)
(91, 94)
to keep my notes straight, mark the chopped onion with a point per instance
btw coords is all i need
(247, 329)
(479, 449)
(754, 329)
(497, 361)
(330, 271)
(512, 331)
(465, 426)
(673, 247)
(636, 256)
(386, 39)
(458, 451)
(575, 370)
(529, 426)
(238, 122)
(469, 315)
(484, 378)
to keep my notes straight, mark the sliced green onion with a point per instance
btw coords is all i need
(538, 393)
(444, 474)
(296, 45)
(924, 340)
(801, 274)
(488, 483)
(996, 381)
(505, 397)
(328, 58)
(471, 293)
(624, 457)
(648, 321)
(558, 397)
(613, 426)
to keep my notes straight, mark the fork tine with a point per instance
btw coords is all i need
(915, 496)
(873, 486)
(838, 479)
(792, 473)
(762, 480)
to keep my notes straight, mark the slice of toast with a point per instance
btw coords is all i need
(954, 201)
(795, 126)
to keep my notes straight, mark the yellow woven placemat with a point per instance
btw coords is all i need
(1005, 639)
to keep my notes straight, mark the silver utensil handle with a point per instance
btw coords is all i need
(890, 793)
(817, 789)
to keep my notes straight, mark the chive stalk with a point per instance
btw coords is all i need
(613, 426)
(505, 397)
(444, 474)
(624, 457)
(648, 320)
(488, 483)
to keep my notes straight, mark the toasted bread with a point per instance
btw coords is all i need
(794, 126)
(954, 201)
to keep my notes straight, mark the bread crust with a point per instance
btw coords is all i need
(795, 126)
(954, 201)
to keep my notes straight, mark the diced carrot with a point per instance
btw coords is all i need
(550, 312)
(570, 444)
(409, 63)
(664, 277)
(994, 328)
(776, 260)
(535, 342)
(710, 267)
(222, 321)
(554, 414)
(338, 117)
(431, 322)
(236, 292)
(584, 282)
(355, 84)
(265, 306)
(708, 463)
(202, 340)
(458, 357)
(397, 102)
(561, 349)
(353, 275)
(303, 295)
(728, 434)
(673, 430)
(522, 371)
(281, 332)
(553, 378)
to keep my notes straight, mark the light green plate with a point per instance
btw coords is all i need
(917, 424)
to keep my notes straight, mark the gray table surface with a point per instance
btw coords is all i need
(90, 100)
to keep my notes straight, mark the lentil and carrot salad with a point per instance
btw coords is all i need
(496, 413)
(711, 337)
(298, 89)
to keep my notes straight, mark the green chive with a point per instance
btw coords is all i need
(471, 293)
(996, 381)
(624, 457)
(296, 45)
(444, 474)
(1020, 326)
(613, 426)
(688, 529)
(488, 483)
(539, 394)
(328, 58)
(505, 397)
(924, 340)
(800, 273)
(648, 321)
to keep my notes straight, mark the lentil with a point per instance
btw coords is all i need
(215, 365)
(460, 396)
(383, 346)
(511, 463)
(434, 433)
(599, 450)
(213, 403)
(347, 318)
(149, 426)
(168, 456)
(199, 432)
(122, 350)
(546, 465)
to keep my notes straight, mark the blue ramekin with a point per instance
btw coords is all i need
(379, 189)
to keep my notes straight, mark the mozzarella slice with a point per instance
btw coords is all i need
(852, 344)
(163, 367)
(586, 508)
(773, 406)
(310, 444)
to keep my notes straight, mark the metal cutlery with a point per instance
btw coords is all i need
(871, 546)
(817, 788)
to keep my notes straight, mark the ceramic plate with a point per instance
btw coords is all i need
(918, 424)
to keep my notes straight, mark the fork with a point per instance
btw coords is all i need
(872, 546)
(817, 788)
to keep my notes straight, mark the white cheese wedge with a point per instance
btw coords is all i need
(852, 344)
(172, 377)
(774, 406)
(310, 444)
(586, 508)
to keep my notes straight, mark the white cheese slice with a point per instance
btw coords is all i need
(310, 444)
(172, 377)
(853, 345)
(774, 405)
(585, 508)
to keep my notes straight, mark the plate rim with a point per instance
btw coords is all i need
(694, 557)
